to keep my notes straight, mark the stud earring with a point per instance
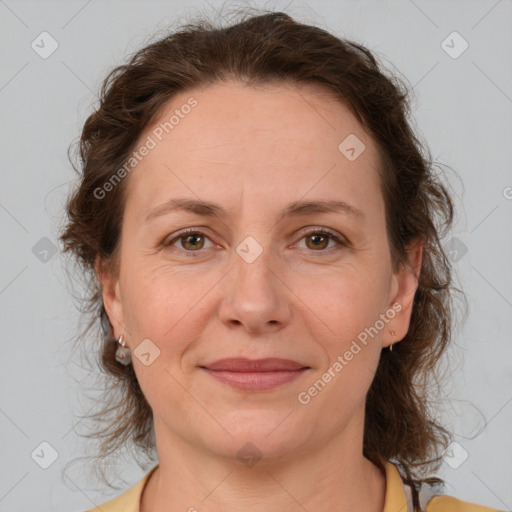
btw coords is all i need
(123, 353)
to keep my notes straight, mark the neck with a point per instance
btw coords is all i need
(323, 478)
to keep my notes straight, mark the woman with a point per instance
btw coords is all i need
(264, 228)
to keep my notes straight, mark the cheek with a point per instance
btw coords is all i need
(166, 306)
(350, 307)
(347, 299)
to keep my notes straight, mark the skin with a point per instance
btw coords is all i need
(253, 151)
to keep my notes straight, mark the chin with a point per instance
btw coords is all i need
(261, 436)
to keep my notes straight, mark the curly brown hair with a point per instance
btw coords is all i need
(264, 48)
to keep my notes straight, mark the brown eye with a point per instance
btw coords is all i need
(187, 242)
(318, 241)
(192, 241)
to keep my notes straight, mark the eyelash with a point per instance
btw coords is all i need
(315, 231)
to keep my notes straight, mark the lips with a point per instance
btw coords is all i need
(271, 364)
(256, 374)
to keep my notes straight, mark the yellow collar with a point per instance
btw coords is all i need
(395, 496)
(129, 501)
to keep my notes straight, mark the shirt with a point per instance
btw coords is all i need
(396, 499)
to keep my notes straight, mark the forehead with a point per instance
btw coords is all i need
(276, 142)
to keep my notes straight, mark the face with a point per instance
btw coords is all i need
(261, 275)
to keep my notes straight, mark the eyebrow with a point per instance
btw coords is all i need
(295, 209)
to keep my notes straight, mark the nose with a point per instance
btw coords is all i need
(255, 295)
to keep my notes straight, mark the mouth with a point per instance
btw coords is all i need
(256, 374)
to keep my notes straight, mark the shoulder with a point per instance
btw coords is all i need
(450, 504)
(430, 496)
(126, 502)
(129, 501)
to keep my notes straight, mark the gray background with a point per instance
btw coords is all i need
(463, 109)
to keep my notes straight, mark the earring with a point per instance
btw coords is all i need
(391, 346)
(123, 354)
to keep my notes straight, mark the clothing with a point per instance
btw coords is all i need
(395, 500)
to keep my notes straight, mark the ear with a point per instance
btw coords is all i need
(110, 292)
(403, 289)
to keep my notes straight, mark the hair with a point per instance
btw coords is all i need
(272, 48)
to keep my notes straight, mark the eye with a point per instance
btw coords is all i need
(191, 240)
(318, 239)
